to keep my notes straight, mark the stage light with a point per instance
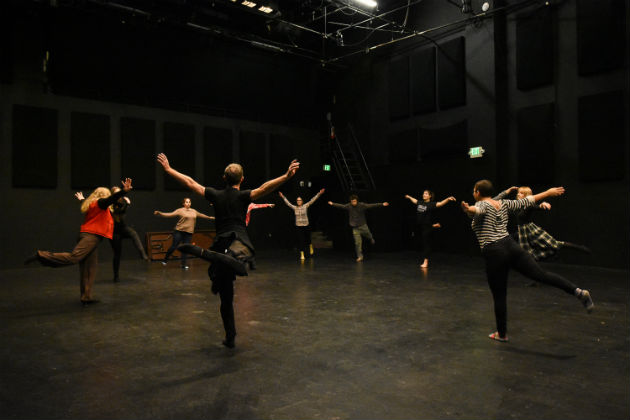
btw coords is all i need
(265, 9)
(368, 3)
(485, 6)
(248, 3)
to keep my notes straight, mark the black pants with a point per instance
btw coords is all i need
(304, 238)
(506, 254)
(423, 240)
(179, 237)
(223, 278)
(121, 233)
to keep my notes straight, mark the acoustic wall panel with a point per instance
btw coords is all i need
(602, 138)
(179, 147)
(444, 142)
(137, 147)
(90, 150)
(534, 49)
(536, 136)
(253, 158)
(423, 88)
(403, 147)
(282, 153)
(217, 154)
(399, 88)
(601, 35)
(452, 73)
(34, 157)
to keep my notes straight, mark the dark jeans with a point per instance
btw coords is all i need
(179, 237)
(506, 254)
(121, 233)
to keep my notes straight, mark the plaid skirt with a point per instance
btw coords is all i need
(537, 241)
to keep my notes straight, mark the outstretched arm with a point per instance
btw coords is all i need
(204, 216)
(445, 201)
(468, 209)
(185, 180)
(162, 214)
(505, 193)
(272, 184)
(410, 198)
(319, 194)
(551, 192)
(287, 202)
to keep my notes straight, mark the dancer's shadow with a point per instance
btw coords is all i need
(513, 349)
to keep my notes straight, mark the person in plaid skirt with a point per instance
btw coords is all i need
(532, 237)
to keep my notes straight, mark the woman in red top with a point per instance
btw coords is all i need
(98, 224)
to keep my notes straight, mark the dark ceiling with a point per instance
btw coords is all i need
(322, 30)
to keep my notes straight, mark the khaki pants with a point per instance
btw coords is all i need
(84, 253)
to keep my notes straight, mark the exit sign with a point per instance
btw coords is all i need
(327, 168)
(476, 152)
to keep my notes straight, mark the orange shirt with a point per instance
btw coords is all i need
(98, 221)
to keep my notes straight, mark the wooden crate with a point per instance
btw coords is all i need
(158, 243)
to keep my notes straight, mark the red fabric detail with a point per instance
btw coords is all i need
(98, 221)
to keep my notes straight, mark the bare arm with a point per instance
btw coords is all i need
(505, 193)
(551, 192)
(410, 198)
(185, 180)
(272, 184)
(468, 209)
(445, 201)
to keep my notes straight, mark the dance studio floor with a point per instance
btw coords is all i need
(324, 339)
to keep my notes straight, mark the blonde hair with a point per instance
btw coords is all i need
(100, 192)
(526, 190)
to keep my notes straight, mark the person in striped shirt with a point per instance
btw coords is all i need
(502, 253)
(301, 222)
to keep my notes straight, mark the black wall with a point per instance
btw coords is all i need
(544, 113)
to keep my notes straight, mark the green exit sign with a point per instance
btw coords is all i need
(327, 168)
(476, 152)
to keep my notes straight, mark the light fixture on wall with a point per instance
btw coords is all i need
(485, 6)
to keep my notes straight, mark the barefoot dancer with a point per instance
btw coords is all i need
(424, 222)
(502, 253)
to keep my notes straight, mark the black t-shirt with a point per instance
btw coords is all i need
(230, 208)
(424, 212)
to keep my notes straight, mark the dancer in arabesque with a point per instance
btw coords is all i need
(502, 253)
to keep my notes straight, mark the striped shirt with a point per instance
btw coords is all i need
(301, 217)
(490, 224)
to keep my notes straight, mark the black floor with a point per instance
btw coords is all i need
(324, 339)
